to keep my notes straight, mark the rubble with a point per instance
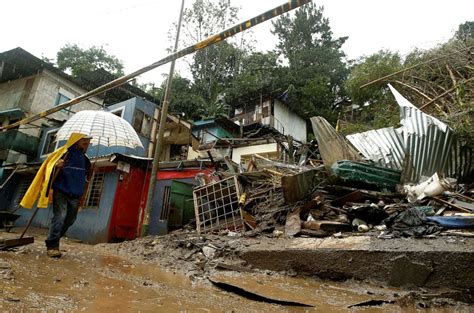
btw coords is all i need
(329, 188)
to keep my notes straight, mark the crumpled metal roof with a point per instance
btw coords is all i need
(422, 146)
(383, 146)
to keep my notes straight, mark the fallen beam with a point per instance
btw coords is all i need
(279, 10)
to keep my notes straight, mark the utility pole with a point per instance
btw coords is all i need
(161, 131)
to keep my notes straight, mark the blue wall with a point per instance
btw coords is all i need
(91, 225)
(129, 106)
(157, 227)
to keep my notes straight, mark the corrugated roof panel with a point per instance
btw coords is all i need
(422, 146)
(383, 146)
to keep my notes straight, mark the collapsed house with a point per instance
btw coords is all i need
(356, 186)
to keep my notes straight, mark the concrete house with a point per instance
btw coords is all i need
(277, 117)
(143, 115)
(28, 86)
(274, 113)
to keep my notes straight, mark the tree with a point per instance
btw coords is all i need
(213, 68)
(376, 106)
(183, 99)
(77, 60)
(259, 75)
(316, 66)
(438, 81)
(465, 31)
(368, 69)
(205, 18)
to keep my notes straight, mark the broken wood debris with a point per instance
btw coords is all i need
(306, 198)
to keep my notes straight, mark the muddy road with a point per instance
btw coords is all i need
(101, 279)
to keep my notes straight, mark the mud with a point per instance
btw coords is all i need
(171, 274)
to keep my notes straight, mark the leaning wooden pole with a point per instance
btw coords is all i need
(161, 130)
(290, 5)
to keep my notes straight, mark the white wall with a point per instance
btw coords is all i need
(289, 123)
(13, 91)
(49, 86)
(255, 149)
(40, 95)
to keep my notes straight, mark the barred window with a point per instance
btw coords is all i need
(94, 191)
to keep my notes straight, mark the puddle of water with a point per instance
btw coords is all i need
(322, 296)
(84, 280)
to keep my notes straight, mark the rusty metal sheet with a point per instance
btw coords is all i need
(332, 145)
(298, 186)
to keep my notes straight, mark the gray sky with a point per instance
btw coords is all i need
(136, 31)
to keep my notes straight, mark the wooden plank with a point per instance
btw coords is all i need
(452, 205)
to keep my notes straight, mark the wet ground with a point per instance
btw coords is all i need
(105, 278)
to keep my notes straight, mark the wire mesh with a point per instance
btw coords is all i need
(216, 206)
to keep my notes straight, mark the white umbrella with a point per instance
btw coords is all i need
(105, 128)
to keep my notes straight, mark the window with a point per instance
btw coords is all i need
(142, 123)
(165, 208)
(118, 112)
(178, 152)
(50, 142)
(61, 98)
(94, 191)
(137, 120)
(146, 126)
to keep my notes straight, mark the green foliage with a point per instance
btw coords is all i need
(316, 66)
(435, 80)
(77, 60)
(367, 70)
(465, 31)
(182, 99)
(259, 74)
(206, 18)
(213, 70)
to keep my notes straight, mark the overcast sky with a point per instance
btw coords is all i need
(136, 31)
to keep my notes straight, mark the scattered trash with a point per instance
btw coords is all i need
(431, 187)
(453, 221)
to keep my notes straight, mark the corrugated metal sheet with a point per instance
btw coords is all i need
(422, 146)
(383, 146)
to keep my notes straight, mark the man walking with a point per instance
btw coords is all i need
(62, 178)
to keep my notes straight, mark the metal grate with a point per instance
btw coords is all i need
(165, 210)
(216, 206)
(95, 190)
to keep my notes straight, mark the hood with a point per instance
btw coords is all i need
(75, 137)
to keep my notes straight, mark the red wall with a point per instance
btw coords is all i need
(130, 200)
(126, 208)
(174, 174)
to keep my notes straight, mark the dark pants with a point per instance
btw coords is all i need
(64, 214)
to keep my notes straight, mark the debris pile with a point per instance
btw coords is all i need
(276, 198)
(317, 198)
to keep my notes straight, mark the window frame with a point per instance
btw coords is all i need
(121, 109)
(89, 189)
(42, 154)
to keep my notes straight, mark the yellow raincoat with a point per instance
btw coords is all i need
(41, 182)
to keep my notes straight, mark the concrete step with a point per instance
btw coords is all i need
(440, 262)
